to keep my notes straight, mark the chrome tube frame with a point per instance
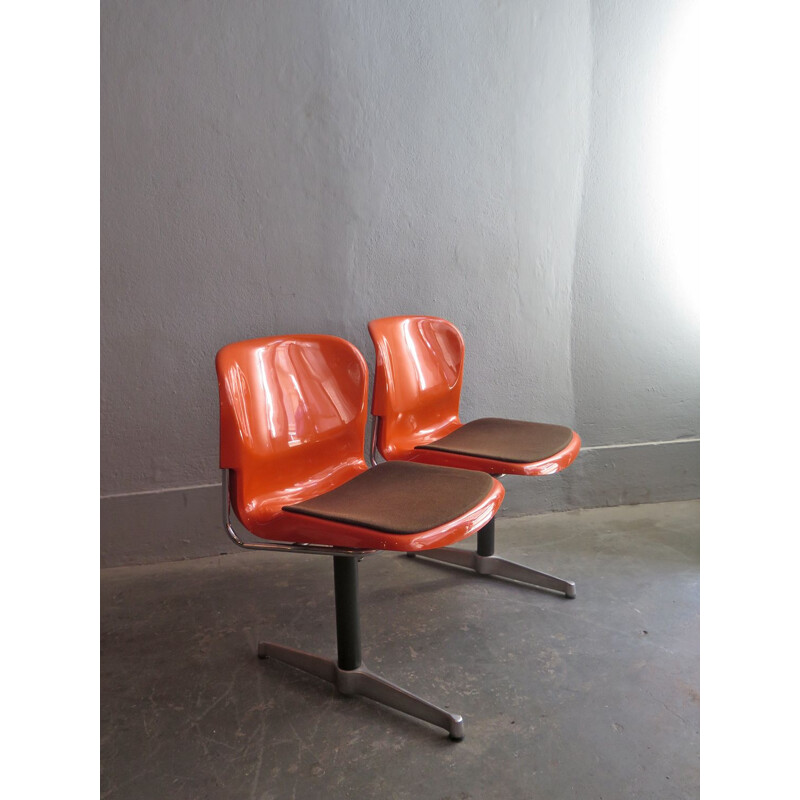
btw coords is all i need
(280, 547)
(373, 440)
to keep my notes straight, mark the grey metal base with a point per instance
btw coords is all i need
(361, 681)
(494, 565)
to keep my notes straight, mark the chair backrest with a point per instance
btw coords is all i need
(293, 412)
(419, 366)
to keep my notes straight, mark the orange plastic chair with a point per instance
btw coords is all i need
(419, 363)
(292, 422)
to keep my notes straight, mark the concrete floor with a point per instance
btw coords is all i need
(596, 697)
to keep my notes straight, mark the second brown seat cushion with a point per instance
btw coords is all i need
(504, 440)
(400, 497)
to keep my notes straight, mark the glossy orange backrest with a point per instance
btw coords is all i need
(292, 418)
(419, 365)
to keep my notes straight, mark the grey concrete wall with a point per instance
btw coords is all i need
(305, 166)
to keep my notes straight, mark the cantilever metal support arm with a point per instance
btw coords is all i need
(280, 547)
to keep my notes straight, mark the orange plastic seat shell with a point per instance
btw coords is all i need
(419, 368)
(293, 415)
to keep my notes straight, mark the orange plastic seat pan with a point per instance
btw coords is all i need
(293, 415)
(419, 366)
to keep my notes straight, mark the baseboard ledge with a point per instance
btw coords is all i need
(177, 524)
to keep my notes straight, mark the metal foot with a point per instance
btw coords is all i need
(363, 682)
(501, 568)
(315, 665)
(493, 565)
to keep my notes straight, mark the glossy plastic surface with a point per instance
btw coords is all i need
(292, 422)
(419, 365)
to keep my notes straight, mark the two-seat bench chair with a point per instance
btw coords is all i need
(293, 413)
(419, 365)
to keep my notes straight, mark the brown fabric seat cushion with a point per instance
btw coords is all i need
(400, 497)
(504, 440)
